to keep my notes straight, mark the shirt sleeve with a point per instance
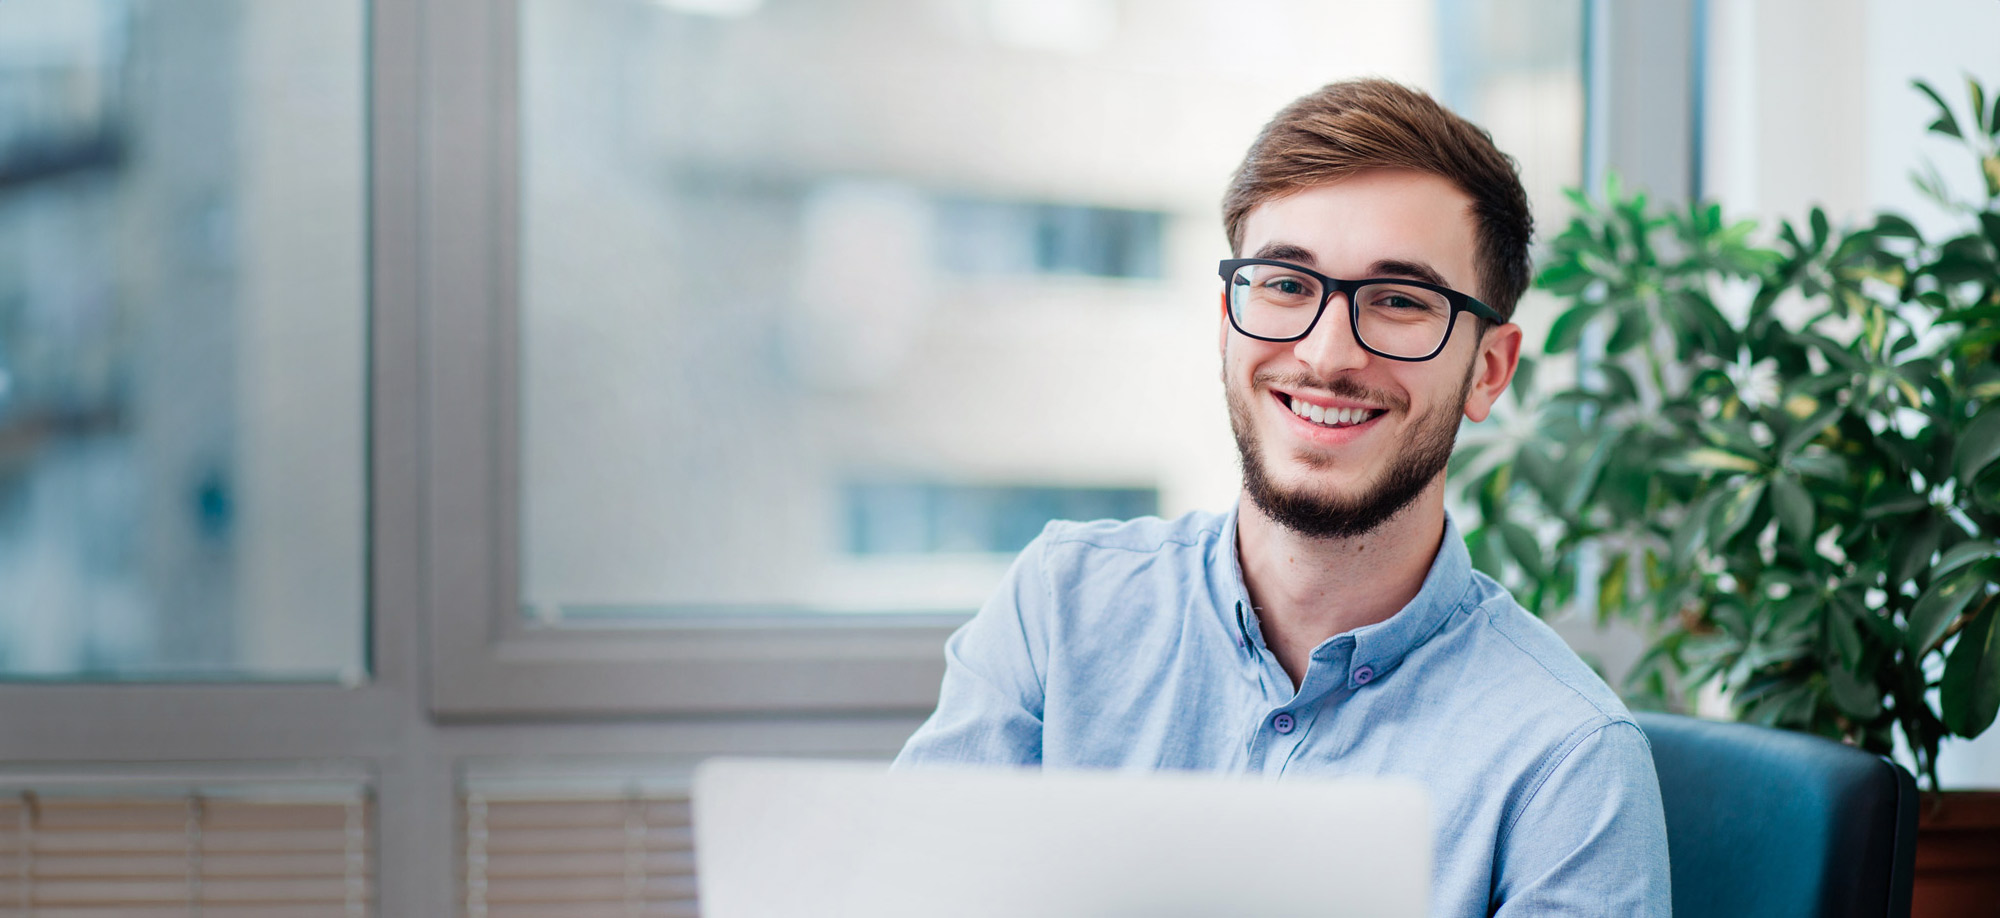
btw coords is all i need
(990, 707)
(1591, 839)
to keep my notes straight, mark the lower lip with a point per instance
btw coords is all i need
(1328, 436)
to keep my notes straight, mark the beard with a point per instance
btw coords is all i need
(1320, 513)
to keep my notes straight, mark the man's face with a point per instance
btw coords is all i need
(1389, 425)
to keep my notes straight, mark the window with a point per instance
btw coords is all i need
(181, 353)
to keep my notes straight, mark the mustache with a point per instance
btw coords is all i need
(1338, 386)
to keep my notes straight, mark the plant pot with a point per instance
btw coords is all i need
(1958, 856)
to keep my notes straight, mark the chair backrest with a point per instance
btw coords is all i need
(1778, 824)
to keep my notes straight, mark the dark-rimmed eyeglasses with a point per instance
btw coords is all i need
(1391, 317)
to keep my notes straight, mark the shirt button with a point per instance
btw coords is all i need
(1362, 674)
(1283, 723)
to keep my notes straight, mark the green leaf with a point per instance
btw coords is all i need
(1523, 385)
(1565, 278)
(1969, 694)
(1568, 327)
(1618, 382)
(1939, 605)
(1522, 545)
(1946, 123)
(1978, 446)
(1892, 225)
(1479, 543)
(1493, 493)
(1841, 633)
(1881, 627)
(1809, 429)
(1695, 312)
(1585, 482)
(1687, 534)
(1962, 260)
(1892, 502)
(1794, 508)
(1914, 545)
(1858, 698)
(1632, 327)
(1828, 468)
(1719, 460)
(1734, 513)
(1978, 94)
(1819, 229)
(1611, 587)
(1962, 554)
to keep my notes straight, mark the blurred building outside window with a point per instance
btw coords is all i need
(181, 355)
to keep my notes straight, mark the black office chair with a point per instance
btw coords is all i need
(1776, 824)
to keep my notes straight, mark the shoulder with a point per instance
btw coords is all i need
(1519, 698)
(1527, 654)
(1146, 534)
(1121, 570)
(1104, 548)
(1543, 712)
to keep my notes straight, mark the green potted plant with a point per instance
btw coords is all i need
(1782, 463)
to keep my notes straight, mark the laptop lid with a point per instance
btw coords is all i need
(783, 838)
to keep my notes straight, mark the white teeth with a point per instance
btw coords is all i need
(1337, 417)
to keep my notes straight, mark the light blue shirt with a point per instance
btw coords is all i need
(1133, 645)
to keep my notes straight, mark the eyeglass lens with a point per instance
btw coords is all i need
(1401, 320)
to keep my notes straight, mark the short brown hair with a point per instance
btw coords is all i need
(1355, 125)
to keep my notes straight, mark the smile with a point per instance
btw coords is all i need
(1331, 417)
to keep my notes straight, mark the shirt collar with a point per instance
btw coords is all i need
(1379, 647)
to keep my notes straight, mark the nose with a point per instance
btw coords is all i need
(1332, 346)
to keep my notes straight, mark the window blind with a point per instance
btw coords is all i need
(194, 854)
(578, 855)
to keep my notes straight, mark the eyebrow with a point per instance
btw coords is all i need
(1387, 267)
(1414, 270)
(1283, 251)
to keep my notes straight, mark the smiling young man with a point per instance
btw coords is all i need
(1331, 623)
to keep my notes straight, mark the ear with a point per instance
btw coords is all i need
(1493, 368)
(1222, 340)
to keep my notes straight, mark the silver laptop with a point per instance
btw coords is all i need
(790, 839)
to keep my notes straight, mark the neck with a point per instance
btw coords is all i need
(1307, 589)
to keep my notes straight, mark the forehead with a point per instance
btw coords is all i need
(1379, 215)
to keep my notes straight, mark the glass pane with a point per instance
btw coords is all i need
(182, 234)
(1515, 67)
(834, 305)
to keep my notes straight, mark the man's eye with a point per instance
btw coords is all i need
(1287, 286)
(1400, 301)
